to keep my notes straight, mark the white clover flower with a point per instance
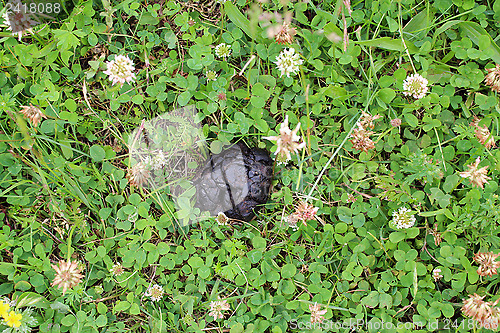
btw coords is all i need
(288, 62)
(303, 212)
(221, 1)
(396, 122)
(287, 141)
(222, 219)
(117, 269)
(282, 33)
(160, 160)
(436, 274)
(217, 307)
(402, 219)
(211, 75)
(316, 313)
(120, 70)
(223, 50)
(291, 221)
(19, 19)
(155, 292)
(415, 85)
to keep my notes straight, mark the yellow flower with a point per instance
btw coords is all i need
(13, 319)
(4, 309)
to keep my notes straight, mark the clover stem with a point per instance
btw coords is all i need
(336, 151)
(301, 161)
(403, 39)
(306, 94)
(383, 134)
(440, 148)
(69, 241)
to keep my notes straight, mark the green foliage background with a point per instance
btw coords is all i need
(64, 188)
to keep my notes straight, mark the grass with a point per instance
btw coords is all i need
(69, 181)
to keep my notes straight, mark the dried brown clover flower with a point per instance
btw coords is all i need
(67, 275)
(33, 114)
(284, 33)
(492, 79)
(361, 135)
(139, 174)
(488, 265)
(476, 176)
(361, 139)
(483, 134)
(485, 313)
